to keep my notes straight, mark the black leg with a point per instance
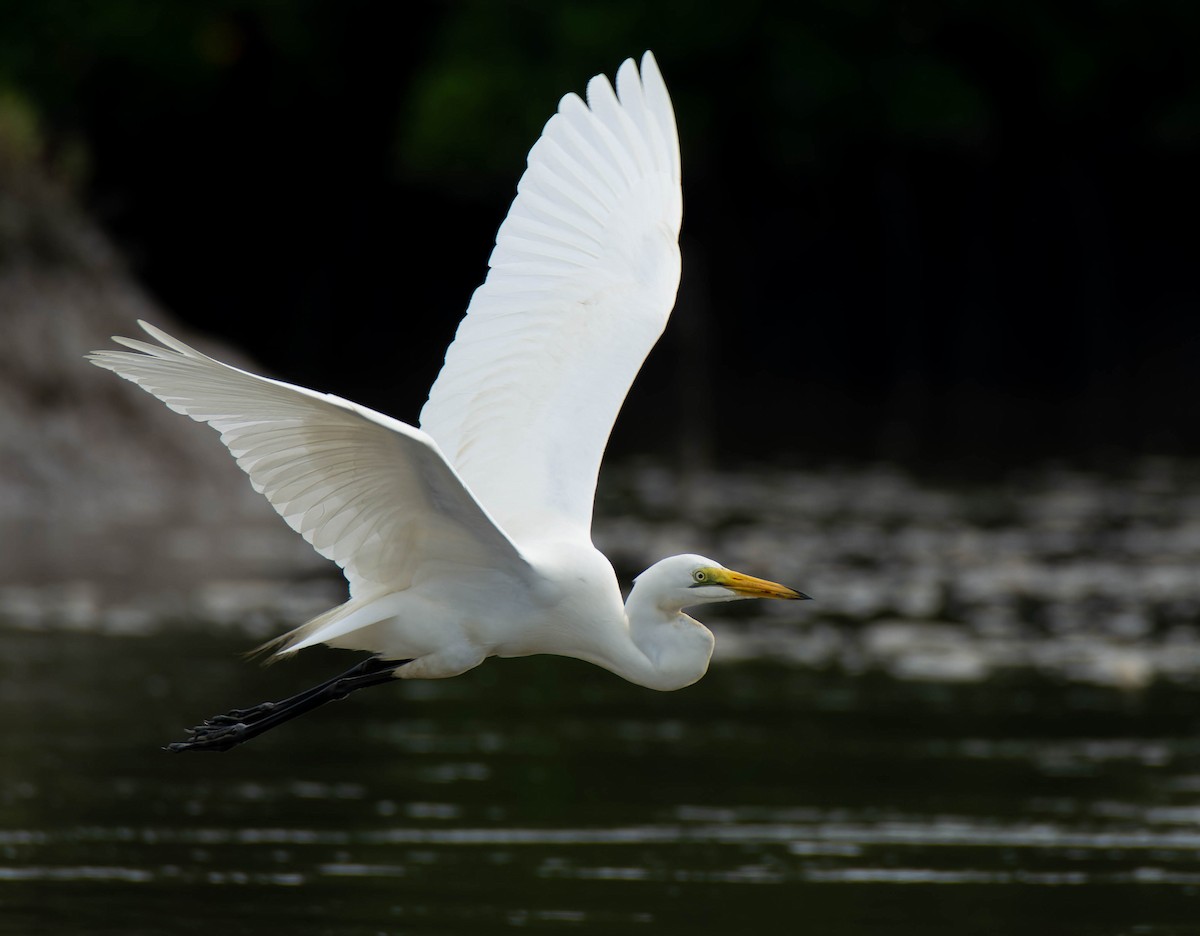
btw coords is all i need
(221, 732)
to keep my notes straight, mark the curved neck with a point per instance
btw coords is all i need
(669, 649)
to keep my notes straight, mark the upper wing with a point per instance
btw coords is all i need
(581, 283)
(367, 491)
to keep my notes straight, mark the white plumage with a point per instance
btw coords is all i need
(581, 283)
(470, 537)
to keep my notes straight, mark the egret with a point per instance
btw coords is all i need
(470, 537)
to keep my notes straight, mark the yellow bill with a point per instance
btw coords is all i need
(750, 587)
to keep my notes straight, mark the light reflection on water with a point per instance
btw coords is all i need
(1085, 576)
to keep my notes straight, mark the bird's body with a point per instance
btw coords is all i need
(470, 536)
(570, 607)
(567, 603)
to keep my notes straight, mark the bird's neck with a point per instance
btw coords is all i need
(669, 650)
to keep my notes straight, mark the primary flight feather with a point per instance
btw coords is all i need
(471, 536)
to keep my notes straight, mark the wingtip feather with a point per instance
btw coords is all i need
(170, 341)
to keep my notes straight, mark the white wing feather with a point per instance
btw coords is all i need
(367, 491)
(581, 282)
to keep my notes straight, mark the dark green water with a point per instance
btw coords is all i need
(547, 795)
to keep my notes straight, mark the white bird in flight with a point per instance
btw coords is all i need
(470, 537)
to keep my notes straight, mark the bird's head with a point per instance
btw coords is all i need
(683, 581)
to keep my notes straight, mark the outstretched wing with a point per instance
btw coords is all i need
(580, 285)
(367, 491)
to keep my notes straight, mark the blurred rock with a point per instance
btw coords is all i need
(105, 495)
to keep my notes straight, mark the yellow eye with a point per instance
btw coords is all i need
(699, 576)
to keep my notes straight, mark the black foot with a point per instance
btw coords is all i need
(221, 732)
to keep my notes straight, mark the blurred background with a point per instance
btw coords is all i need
(949, 238)
(964, 226)
(933, 362)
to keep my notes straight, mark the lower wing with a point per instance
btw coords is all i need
(369, 492)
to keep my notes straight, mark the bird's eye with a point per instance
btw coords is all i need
(699, 576)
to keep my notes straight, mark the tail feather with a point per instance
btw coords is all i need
(286, 644)
(355, 614)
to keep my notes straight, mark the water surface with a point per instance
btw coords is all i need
(544, 794)
(987, 722)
